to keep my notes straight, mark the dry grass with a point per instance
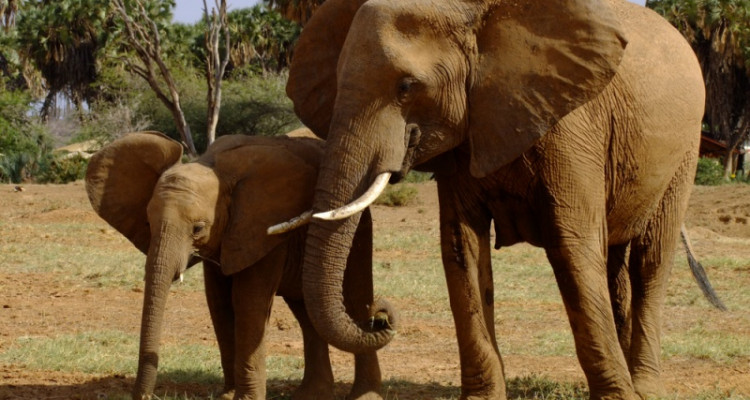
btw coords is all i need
(67, 258)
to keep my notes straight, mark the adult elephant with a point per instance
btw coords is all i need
(216, 209)
(573, 125)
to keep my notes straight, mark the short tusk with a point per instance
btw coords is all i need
(296, 222)
(361, 203)
(182, 277)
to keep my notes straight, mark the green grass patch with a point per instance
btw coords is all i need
(411, 243)
(551, 343)
(700, 342)
(540, 387)
(80, 252)
(115, 352)
(729, 276)
(417, 280)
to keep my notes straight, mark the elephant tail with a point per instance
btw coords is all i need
(699, 273)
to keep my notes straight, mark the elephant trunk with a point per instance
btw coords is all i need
(327, 249)
(160, 272)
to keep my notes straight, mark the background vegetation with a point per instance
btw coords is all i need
(719, 32)
(68, 257)
(66, 76)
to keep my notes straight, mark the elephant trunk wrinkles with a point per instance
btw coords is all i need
(160, 272)
(327, 248)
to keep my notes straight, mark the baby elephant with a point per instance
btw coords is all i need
(217, 209)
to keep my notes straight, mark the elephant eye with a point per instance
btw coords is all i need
(198, 228)
(406, 86)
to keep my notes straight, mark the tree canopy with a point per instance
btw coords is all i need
(719, 32)
(70, 58)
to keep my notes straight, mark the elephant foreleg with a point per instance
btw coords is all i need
(253, 291)
(465, 244)
(317, 381)
(219, 299)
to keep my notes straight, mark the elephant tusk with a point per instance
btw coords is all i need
(296, 222)
(361, 203)
(182, 277)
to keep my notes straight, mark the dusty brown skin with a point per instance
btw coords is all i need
(217, 209)
(574, 127)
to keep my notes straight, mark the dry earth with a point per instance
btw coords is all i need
(421, 363)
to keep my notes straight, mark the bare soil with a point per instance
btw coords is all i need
(421, 363)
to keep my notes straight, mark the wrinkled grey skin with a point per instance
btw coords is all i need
(217, 209)
(573, 126)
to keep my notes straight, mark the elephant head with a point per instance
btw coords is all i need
(392, 85)
(179, 213)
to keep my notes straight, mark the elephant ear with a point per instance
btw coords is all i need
(536, 63)
(120, 180)
(272, 184)
(312, 74)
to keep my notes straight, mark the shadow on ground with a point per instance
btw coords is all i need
(195, 385)
(173, 386)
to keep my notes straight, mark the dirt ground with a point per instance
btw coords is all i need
(422, 362)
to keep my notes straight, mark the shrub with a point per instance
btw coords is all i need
(250, 105)
(61, 168)
(22, 141)
(110, 121)
(16, 167)
(710, 172)
(417, 177)
(397, 195)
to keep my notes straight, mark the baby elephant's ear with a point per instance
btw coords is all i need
(275, 184)
(120, 180)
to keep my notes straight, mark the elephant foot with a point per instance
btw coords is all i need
(226, 394)
(483, 397)
(617, 395)
(314, 391)
(359, 393)
(648, 386)
(489, 394)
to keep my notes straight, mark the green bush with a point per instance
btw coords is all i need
(16, 167)
(18, 132)
(710, 172)
(251, 105)
(107, 122)
(397, 195)
(22, 141)
(61, 168)
(417, 177)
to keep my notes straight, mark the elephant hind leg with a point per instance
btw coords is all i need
(651, 257)
(618, 280)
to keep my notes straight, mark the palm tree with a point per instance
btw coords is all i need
(719, 32)
(8, 10)
(298, 11)
(261, 35)
(62, 38)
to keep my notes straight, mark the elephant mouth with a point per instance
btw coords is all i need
(397, 177)
(194, 259)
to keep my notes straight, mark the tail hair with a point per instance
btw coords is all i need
(699, 273)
